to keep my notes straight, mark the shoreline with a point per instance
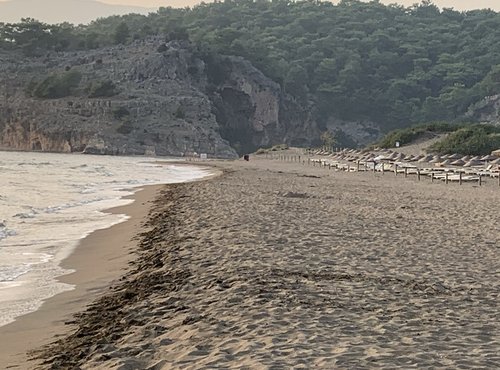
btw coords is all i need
(277, 264)
(99, 259)
(283, 265)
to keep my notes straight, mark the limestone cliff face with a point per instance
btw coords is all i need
(487, 110)
(253, 112)
(166, 103)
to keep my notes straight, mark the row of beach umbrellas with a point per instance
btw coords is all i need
(455, 159)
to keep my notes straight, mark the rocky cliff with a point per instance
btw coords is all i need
(166, 100)
(486, 110)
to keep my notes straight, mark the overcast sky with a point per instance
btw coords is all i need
(457, 4)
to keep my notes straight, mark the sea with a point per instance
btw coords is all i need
(49, 202)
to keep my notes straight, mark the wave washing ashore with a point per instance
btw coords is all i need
(48, 202)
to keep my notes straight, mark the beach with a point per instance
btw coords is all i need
(281, 265)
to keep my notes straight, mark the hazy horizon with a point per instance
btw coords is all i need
(85, 11)
(456, 4)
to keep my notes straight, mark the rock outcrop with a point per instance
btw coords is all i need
(167, 102)
(486, 110)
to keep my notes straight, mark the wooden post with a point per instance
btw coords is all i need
(357, 169)
(432, 176)
(460, 178)
(480, 180)
(366, 166)
(395, 169)
(406, 171)
(446, 178)
(329, 166)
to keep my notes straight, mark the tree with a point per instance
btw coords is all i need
(122, 33)
(328, 139)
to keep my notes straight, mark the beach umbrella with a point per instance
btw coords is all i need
(466, 158)
(410, 158)
(489, 158)
(496, 161)
(473, 163)
(458, 162)
(455, 156)
(426, 158)
(435, 159)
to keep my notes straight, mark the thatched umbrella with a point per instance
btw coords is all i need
(473, 163)
(435, 159)
(458, 162)
(444, 163)
(455, 156)
(426, 158)
(488, 158)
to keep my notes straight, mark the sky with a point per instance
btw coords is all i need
(456, 4)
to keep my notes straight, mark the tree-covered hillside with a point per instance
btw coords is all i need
(353, 61)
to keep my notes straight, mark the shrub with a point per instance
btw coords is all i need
(410, 134)
(179, 113)
(120, 113)
(56, 85)
(100, 89)
(471, 140)
(125, 128)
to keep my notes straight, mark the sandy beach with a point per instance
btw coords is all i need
(99, 259)
(280, 265)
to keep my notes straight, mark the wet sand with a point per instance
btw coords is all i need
(279, 265)
(99, 259)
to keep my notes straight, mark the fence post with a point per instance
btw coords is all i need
(432, 176)
(480, 180)
(460, 178)
(418, 174)
(406, 171)
(446, 178)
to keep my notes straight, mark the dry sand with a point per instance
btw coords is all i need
(280, 265)
(99, 259)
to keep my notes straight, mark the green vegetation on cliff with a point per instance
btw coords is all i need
(467, 139)
(472, 140)
(353, 61)
(56, 85)
(410, 134)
